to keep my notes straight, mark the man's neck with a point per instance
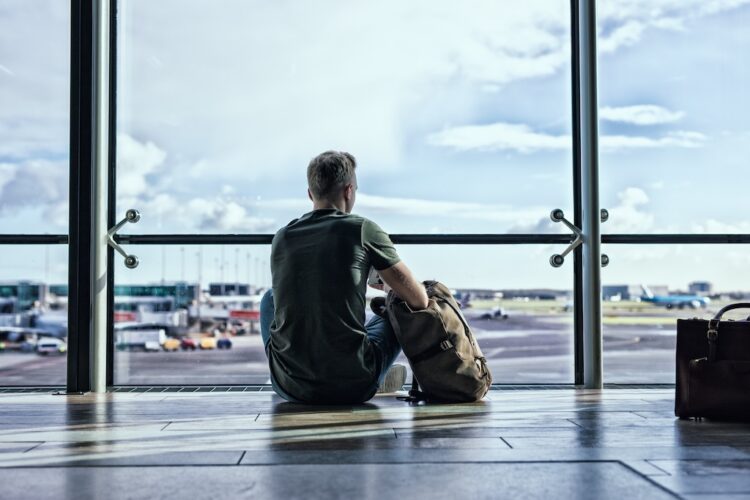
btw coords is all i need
(327, 204)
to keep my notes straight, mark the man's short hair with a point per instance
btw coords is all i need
(329, 172)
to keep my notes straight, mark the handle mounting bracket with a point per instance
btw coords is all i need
(132, 216)
(558, 259)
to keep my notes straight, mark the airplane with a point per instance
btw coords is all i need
(672, 301)
(462, 298)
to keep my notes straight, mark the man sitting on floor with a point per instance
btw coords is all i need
(312, 320)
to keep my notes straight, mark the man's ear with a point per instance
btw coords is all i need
(309, 195)
(348, 192)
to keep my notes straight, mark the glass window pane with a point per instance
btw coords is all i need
(34, 95)
(674, 101)
(648, 287)
(196, 296)
(33, 314)
(519, 307)
(220, 111)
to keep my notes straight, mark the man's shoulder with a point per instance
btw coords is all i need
(370, 226)
(366, 226)
(283, 229)
(341, 218)
(356, 219)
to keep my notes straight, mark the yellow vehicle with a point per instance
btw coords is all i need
(171, 345)
(207, 343)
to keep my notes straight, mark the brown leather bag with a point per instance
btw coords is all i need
(713, 367)
(443, 353)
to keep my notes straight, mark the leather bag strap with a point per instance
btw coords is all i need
(457, 311)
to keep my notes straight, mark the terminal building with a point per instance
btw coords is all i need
(701, 287)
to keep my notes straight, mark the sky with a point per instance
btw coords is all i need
(458, 112)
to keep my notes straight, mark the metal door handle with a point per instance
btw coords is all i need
(133, 216)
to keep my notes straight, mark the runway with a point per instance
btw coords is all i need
(523, 349)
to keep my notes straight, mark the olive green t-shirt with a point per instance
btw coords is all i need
(319, 351)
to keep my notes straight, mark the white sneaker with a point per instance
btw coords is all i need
(394, 379)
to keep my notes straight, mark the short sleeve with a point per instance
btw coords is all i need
(378, 246)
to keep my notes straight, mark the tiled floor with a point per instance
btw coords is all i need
(617, 443)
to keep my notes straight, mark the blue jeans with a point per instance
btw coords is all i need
(379, 332)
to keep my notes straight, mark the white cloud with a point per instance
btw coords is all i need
(715, 226)
(540, 225)
(642, 114)
(7, 173)
(679, 139)
(255, 103)
(227, 216)
(501, 215)
(498, 137)
(168, 213)
(523, 139)
(202, 92)
(34, 77)
(135, 161)
(665, 14)
(623, 23)
(140, 163)
(633, 196)
(32, 184)
(233, 100)
(626, 34)
(242, 99)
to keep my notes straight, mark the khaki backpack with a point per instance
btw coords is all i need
(444, 356)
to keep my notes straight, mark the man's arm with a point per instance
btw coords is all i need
(400, 279)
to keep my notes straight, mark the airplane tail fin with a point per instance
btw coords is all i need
(647, 292)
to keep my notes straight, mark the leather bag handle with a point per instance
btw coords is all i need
(738, 305)
(713, 327)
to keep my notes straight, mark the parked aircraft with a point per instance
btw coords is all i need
(672, 301)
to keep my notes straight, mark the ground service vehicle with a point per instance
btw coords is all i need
(207, 343)
(144, 336)
(171, 344)
(51, 346)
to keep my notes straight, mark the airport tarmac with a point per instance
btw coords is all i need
(523, 349)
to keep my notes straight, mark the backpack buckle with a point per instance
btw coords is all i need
(446, 344)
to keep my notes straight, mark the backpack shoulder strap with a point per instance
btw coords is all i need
(415, 395)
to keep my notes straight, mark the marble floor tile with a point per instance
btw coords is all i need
(19, 446)
(703, 467)
(238, 444)
(434, 481)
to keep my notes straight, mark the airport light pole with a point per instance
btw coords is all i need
(248, 269)
(257, 271)
(221, 269)
(237, 268)
(199, 256)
